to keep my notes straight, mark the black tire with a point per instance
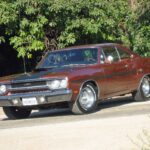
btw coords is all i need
(140, 95)
(78, 108)
(16, 113)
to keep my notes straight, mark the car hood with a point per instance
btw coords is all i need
(47, 73)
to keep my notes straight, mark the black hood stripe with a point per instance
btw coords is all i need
(39, 74)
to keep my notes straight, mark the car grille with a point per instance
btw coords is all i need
(22, 87)
(28, 84)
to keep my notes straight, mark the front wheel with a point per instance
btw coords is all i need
(143, 93)
(86, 101)
(16, 113)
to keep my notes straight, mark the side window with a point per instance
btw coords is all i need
(111, 54)
(123, 54)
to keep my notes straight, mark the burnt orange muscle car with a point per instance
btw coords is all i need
(79, 76)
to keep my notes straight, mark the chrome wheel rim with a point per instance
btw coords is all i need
(87, 98)
(146, 87)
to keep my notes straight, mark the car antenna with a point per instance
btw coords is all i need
(24, 65)
(23, 57)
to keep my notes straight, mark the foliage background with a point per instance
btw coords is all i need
(30, 26)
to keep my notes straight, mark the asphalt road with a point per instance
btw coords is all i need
(117, 107)
(116, 125)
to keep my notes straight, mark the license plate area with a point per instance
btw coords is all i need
(29, 101)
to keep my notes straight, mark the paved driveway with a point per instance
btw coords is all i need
(115, 125)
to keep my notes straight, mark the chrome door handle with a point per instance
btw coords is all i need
(140, 70)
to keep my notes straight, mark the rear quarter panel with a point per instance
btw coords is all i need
(146, 65)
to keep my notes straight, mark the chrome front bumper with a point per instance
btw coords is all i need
(49, 97)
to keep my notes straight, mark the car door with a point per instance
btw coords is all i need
(126, 58)
(115, 71)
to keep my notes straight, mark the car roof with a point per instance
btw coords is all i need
(96, 46)
(89, 46)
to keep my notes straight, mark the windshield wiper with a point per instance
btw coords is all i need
(44, 68)
(40, 69)
(73, 65)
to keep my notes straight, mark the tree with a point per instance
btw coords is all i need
(32, 25)
(25, 23)
(142, 42)
(139, 28)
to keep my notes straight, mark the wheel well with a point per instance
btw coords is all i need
(147, 75)
(95, 86)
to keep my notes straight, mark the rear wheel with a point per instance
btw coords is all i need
(16, 113)
(87, 100)
(143, 92)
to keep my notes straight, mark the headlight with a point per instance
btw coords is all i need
(57, 84)
(3, 89)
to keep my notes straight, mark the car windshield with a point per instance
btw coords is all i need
(69, 57)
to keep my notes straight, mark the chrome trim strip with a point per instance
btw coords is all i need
(36, 94)
(28, 88)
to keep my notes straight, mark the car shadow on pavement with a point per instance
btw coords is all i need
(114, 102)
(103, 105)
(51, 113)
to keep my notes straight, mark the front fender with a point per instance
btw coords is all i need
(76, 87)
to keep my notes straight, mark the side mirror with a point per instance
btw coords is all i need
(131, 56)
(110, 59)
